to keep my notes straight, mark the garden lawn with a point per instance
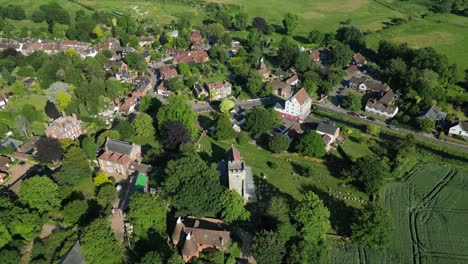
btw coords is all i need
(356, 150)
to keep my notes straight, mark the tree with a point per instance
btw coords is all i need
(260, 24)
(101, 179)
(174, 134)
(370, 171)
(75, 167)
(51, 110)
(278, 208)
(40, 193)
(351, 36)
(311, 144)
(312, 218)
(226, 106)
(305, 252)
(125, 129)
(290, 23)
(373, 227)
(426, 124)
(183, 69)
(98, 243)
(261, 120)
(147, 214)
(5, 236)
(73, 211)
(63, 100)
(135, 61)
(193, 186)
(143, 125)
(151, 257)
(89, 147)
(223, 128)
(278, 143)
(303, 62)
(9, 256)
(38, 16)
(267, 247)
(24, 223)
(54, 88)
(352, 102)
(287, 52)
(373, 129)
(176, 109)
(106, 195)
(254, 83)
(239, 21)
(215, 31)
(316, 36)
(233, 210)
(340, 55)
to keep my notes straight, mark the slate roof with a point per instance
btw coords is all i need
(119, 146)
(433, 113)
(73, 256)
(327, 128)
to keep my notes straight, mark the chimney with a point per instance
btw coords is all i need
(197, 223)
(74, 116)
(179, 220)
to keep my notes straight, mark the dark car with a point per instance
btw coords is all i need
(371, 118)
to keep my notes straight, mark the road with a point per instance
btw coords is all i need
(343, 112)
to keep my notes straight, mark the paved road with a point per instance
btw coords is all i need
(343, 112)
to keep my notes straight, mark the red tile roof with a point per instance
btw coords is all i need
(302, 96)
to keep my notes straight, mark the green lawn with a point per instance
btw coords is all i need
(355, 149)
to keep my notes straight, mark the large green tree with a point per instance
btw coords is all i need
(193, 186)
(40, 193)
(143, 125)
(5, 236)
(287, 52)
(426, 124)
(352, 102)
(233, 207)
(98, 243)
(311, 144)
(340, 55)
(278, 143)
(148, 214)
(290, 23)
(370, 171)
(261, 120)
(312, 218)
(176, 109)
(373, 227)
(268, 247)
(73, 211)
(278, 208)
(223, 128)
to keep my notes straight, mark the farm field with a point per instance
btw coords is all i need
(430, 208)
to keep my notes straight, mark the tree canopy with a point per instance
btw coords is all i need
(373, 227)
(48, 149)
(311, 144)
(147, 213)
(176, 109)
(278, 143)
(174, 134)
(98, 243)
(223, 128)
(143, 125)
(370, 171)
(352, 102)
(312, 218)
(233, 207)
(40, 193)
(261, 120)
(267, 247)
(290, 23)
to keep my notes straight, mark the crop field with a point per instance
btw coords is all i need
(430, 210)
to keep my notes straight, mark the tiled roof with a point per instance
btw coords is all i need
(233, 154)
(387, 98)
(302, 96)
(377, 105)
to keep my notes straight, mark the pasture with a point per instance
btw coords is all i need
(430, 208)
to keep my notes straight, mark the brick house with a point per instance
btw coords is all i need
(194, 235)
(383, 106)
(65, 127)
(119, 157)
(219, 90)
(145, 85)
(167, 72)
(195, 56)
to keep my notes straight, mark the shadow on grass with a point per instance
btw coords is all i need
(205, 122)
(216, 154)
(340, 213)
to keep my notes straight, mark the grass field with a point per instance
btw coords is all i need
(430, 209)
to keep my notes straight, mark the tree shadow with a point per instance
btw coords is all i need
(340, 213)
(301, 39)
(335, 163)
(216, 153)
(205, 122)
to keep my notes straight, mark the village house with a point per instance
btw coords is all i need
(281, 89)
(120, 158)
(293, 80)
(192, 57)
(9, 44)
(127, 105)
(351, 70)
(196, 36)
(5, 163)
(199, 91)
(219, 90)
(460, 129)
(146, 56)
(297, 107)
(194, 235)
(329, 134)
(291, 130)
(167, 72)
(433, 114)
(239, 176)
(163, 89)
(145, 85)
(355, 81)
(383, 106)
(315, 56)
(65, 127)
(145, 40)
(171, 53)
(358, 59)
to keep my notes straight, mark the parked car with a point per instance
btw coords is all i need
(353, 113)
(392, 127)
(371, 118)
(361, 116)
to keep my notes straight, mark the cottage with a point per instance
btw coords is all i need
(281, 89)
(460, 129)
(219, 90)
(163, 89)
(293, 80)
(194, 235)
(5, 163)
(329, 134)
(434, 114)
(351, 70)
(118, 157)
(129, 105)
(196, 36)
(374, 86)
(358, 59)
(65, 127)
(167, 72)
(195, 56)
(145, 85)
(297, 107)
(239, 176)
(376, 107)
(356, 81)
(315, 56)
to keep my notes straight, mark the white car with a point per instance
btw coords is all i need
(361, 116)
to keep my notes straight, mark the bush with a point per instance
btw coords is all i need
(278, 143)
(272, 165)
(243, 138)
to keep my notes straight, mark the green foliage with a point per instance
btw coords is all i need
(175, 134)
(278, 143)
(254, 83)
(261, 120)
(24, 223)
(89, 147)
(143, 125)
(52, 248)
(223, 128)
(373, 129)
(370, 171)
(340, 55)
(113, 134)
(147, 214)
(226, 106)
(278, 208)
(242, 138)
(287, 52)
(351, 36)
(313, 218)
(5, 236)
(311, 144)
(135, 61)
(73, 211)
(193, 186)
(215, 31)
(54, 88)
(352, 102)
(8, 256)
(74, 168)
(233, 207)
(106, 195)
(98, 243)
(305, 252)
(31, 113)
(151, 257)
(316, 36)
(290, 23)
(303, 62)
(101, 179)
(176, 109)
(426, 124)
(267, 247)
(373, 227)
(183, 69)
(40, 193)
